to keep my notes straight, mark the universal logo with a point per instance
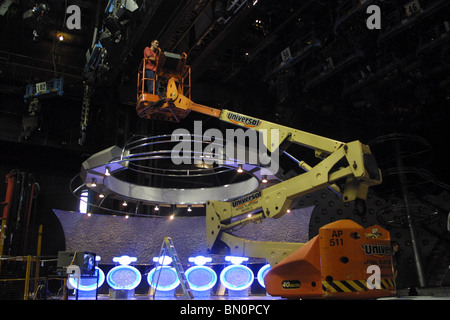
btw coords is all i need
(372, 249)
(249, 198)
(246, 121)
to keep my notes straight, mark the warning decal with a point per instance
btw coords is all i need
(353, 285)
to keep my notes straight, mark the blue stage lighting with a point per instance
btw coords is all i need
(236, 277)
(201, 278)
(124, 260)
(163, 278)
(123, 278)
(89, 284)
(235, 259)
(199, 260)
(163, 260)
(262, 273)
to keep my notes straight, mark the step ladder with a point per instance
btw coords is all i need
(168, 249)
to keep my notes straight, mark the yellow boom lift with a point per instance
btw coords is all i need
(335, 263)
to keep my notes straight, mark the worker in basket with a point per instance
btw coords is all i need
(151, 58)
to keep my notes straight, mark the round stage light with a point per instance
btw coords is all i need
(237, 277)
(163, 278)
(90, 283)
(262, 273)
(200, 260)
(123, 277)
(124, 260)
(201, 278)
(163, 260)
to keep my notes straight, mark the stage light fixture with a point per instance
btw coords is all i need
(89, 284)
(124, 260)
(199, 260)
(236, 277)
(163, 278)
(262, 273)
(163, 260)
(264, 179)
(107, 172)
(239, 169)
(200, 277)
(124, 276)
(236, 260)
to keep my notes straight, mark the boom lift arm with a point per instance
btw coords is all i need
(352, 163)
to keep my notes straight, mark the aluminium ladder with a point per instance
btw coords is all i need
(168, 248)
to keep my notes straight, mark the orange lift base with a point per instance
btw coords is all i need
(341, 262)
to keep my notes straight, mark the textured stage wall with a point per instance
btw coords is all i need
(141, 237)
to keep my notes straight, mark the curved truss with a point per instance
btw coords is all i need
(143, 173)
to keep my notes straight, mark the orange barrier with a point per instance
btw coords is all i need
(344, 261)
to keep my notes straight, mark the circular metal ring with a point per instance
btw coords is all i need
(144, 171)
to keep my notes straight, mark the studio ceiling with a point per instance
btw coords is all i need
(342, 79)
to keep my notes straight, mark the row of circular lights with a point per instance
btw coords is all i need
(235, 277)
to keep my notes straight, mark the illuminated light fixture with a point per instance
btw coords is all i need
(264, 179)
(189, 209)
(200, 277)
(93, 183)
(249, 215)
(107, 172)
(235, 259)
(124, 260)
(88, 284)
(236, 277)
(124, 276)
(163, 278)
(262, 273)
(60, 37)
(127, 216)
(163, 260)
(89, 214)
(101, 195)
(199, 260)
(124, 203)
(83, 205)
(172, 216)
(156, 208)
(239, 169)
(288, 211)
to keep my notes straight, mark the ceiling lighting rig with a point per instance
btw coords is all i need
(143, 175)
